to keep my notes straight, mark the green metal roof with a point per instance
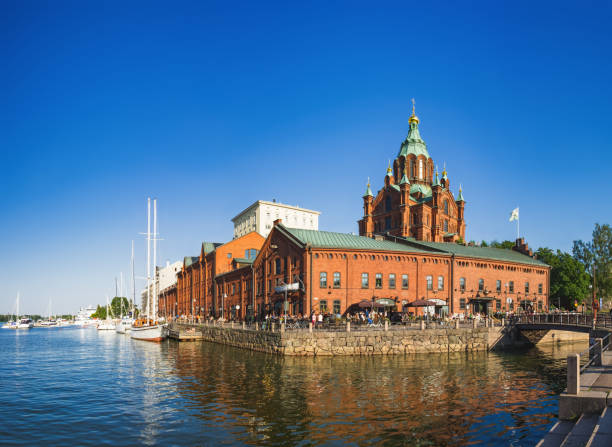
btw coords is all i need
(327, 239)
(460, 196)
(495, 254)
(413, 144)
(243, 260)
(189, 260)
(210, 246)
(420, 188)
(404, 180)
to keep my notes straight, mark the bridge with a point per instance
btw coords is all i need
(535, 327)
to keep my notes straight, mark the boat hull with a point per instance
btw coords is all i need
(148, 333)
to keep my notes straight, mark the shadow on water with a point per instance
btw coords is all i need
(437, 399)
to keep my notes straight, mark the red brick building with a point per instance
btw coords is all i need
(414, 201)
(406, 251)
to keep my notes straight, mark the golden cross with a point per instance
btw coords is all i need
(413, 106)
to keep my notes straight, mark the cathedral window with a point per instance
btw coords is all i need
(387, 223)
(445, 206)
(421, 169)
(446, 226)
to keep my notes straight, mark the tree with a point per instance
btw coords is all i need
(596, 256)
(119, 306)
(505, 244)
(100, 313)
(484, 244)
(569, 281)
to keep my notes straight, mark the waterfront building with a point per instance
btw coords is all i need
(414, 201)
(409, 248)
(196, 294)
(260, 216)
(164, 281)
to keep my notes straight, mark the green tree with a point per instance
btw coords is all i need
(569, 281)
(596, 256)
(484, 244)
(505, 244)
(119, 306)
(100, 313)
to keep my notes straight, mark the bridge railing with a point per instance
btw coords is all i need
(568, 318)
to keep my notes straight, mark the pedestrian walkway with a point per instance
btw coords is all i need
(591, 429)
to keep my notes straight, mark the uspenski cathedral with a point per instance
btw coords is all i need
(420, 204)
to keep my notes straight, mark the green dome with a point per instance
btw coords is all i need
(420, 188)
(413, 144)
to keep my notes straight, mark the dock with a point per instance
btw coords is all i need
(585, 409)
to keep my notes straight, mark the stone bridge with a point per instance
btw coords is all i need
(541, 328)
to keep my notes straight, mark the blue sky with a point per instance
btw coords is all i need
(211, 106)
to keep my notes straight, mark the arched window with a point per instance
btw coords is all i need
(421, 169)
(445, 206)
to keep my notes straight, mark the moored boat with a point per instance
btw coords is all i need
(149, 328)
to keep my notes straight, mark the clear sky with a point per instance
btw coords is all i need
(211, 106)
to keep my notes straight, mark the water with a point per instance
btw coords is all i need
(82, 387)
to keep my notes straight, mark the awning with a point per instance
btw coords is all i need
(438, 301)
(385, 302)
(421, 303)
(365, 303)
(482, 298)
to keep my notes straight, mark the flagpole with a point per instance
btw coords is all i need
(518, 219)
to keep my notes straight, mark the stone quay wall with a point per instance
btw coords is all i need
(362, 342)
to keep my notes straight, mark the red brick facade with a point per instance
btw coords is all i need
(334, 280)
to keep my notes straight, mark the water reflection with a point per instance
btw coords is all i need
(440, 399)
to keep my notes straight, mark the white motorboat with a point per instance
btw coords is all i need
(149, 328)
(106, 325)
(25, 323)
(124, 326)
(10, 325)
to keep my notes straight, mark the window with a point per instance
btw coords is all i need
(498, 286)
(446, 225)
(388, 203)
(480, 285)
(420, 169)
(392, 280)
(365, 281)
(412, 169)
(336, 280)
(387, 223)
(440, 282)
(498, 304)
(229, 256)
(540, 305)
(511, 287)
(323, 306)
(323, 280)
(511, 305)
(462, 284)
(233, 288)
(429, 282)
(404, 281)
(378, 283)
(336, 306)
(540, 288)
(446, 206)
(462, 303)
(527, 287)
(278, 265)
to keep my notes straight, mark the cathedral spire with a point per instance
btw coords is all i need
(413, 118)
(389, 172)
(368, 192)
(460, 195)
(404, 179)
(436, 181)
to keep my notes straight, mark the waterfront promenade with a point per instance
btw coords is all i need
(346, 339)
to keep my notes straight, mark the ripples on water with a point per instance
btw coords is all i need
(84, 387)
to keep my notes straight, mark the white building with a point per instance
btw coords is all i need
(165, 277)
(261, 215)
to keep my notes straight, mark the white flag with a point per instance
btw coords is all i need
(514, 215)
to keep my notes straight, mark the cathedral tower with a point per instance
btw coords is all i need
(420, 205)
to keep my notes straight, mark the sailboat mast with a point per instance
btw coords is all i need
(148, 258)
(133, 283)
(17, 316)
(154, 259)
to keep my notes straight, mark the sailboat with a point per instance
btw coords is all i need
(23, 323)
(148, 328)
(106, 325)
(125, 324)
(12, 324)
